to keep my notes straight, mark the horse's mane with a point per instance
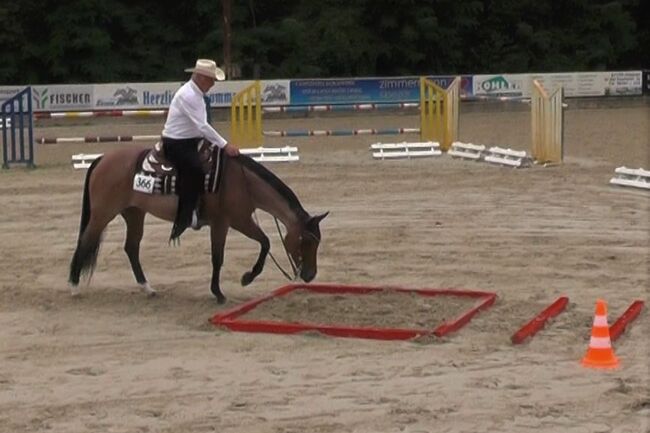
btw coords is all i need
(274, 181)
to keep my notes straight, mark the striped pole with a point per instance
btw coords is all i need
(97, 139)
(273, 109)
(290, 133)
(341, 107)
(340, 132)
(100, 113)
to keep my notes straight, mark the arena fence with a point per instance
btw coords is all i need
(18, 129)
(547, 123)
(438, 110)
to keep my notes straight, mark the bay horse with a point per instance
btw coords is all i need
(245, 186)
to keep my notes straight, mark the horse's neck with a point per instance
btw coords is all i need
(268, 199)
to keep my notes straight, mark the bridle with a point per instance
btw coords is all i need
(295, 268)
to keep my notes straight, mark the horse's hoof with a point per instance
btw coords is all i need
(75, 292)
(148, 290)
(247, 278)
(221, 299)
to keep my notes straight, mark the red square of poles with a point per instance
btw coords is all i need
(232, 318)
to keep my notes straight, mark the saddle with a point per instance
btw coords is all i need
(156, 175)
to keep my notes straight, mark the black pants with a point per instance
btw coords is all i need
(184, 155)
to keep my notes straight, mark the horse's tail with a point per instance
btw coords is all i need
(85, 206)
(85, 255)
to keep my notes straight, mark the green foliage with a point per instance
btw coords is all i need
(94, 41)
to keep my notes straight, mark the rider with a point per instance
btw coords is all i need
(184, 128)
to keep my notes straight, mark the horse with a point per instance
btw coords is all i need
(245, 185)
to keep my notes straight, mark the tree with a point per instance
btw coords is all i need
(96, 41)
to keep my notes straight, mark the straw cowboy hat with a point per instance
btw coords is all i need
(208, 68)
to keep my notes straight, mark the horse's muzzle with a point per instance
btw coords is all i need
(307, 276)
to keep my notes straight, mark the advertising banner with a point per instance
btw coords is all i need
(584, 84)
(466, 83)
(575, 84)
(130, 96)
(623, 83)
(62, 97)
(510, 85)
(222, 92)
(365, 90)
(159, 95)
(350, 91)
(274, 92)
(7, 92)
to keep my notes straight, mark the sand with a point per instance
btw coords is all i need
(382, 310)
(116, 361)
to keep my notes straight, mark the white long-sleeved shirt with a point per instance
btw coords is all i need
(187, 116)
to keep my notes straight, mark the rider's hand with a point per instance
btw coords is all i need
(231, 150)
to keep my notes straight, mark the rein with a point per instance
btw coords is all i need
(294, 268)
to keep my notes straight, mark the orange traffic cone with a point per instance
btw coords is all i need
(600, 353)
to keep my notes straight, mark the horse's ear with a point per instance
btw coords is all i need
(318, 218)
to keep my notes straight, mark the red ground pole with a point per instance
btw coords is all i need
(531, 328)
(231, 318)
(633, 311)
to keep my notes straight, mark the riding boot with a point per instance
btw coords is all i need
(183, 218)
(198, 217)
(178, 229)
(183, 154)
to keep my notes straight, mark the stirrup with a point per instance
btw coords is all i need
(196, 224)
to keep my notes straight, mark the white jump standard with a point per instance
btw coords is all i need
(272, 154)
(508, 157)
(259, 154)
(83, 160)
(466, 151)
(405, 150)
(637, 178)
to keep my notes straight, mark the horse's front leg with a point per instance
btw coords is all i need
(251, 230)
(218, 232)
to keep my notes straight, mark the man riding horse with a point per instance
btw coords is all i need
(132, 182)
(185, 127)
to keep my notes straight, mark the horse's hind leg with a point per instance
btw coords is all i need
(251, 230)
(134, 219)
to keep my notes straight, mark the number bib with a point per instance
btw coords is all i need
(144, 183)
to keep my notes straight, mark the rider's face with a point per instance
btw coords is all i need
(204, 82)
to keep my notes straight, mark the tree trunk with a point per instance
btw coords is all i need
(227, 37)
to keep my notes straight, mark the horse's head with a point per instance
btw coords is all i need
(303, 244)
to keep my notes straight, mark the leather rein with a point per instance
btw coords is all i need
(295, 268)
